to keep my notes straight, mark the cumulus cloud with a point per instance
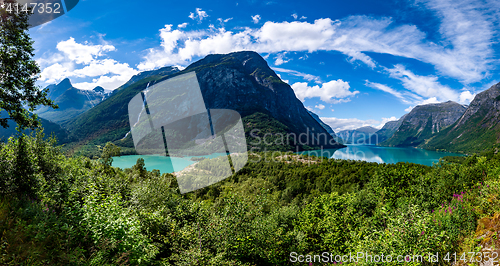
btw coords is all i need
(82, 53)
(334, 91)
(199, 15)
(256, 19)
(84, 60)
(183, 25)
(295, 16)
(319, 106)
(466, 97)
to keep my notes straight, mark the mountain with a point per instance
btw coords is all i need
(325, 126)
(50, 128)
(161, 72)
(240, 81)
(357, 136)
(424, 122)
(385, 132)
(71, 101)
(476, 130)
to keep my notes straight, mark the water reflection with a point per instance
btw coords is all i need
(378, 154)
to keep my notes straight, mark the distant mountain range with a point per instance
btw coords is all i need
(476, 130)
(425, 122)
(357, 136)
(71, 101)
(240, 81)
(243, 82)
(50, 129)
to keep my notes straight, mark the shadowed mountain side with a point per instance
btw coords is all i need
(239, 81)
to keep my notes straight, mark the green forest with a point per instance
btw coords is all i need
(77, 211)
(58, 207)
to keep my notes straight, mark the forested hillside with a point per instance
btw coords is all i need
(76, 211)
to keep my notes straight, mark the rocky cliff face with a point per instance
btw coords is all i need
(424, 121)
(239, 81)
(477, 129)
(243, 82)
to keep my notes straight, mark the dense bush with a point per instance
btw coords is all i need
(78, 211)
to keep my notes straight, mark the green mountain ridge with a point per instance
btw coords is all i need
(424, 122)
(240, 81)
(476, 130)
(50, 128)
(356, 136)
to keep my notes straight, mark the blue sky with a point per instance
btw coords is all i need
(354, 63)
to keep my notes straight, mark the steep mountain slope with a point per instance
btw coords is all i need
(357, 136)
(423, 122)
(71, 101)
(477, 129)
(50, 129)
(240, 81)
(161, 72)
(325, 126)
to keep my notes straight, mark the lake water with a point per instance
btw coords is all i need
(369, 153)
(378, 154)
(162, 163)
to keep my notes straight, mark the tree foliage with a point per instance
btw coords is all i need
(19, 95)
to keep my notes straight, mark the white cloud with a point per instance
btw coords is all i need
(339, 124)
(319, 106)
(309, 108)
(387, 89)
(54, 73)
(466, 97)
(83, 60)
(384, 121)
(303, 17)
(423, 102)
(82, 53)
(256, 19)
(281, 59)
(183, 25)
(331, 92)
(199, 15)
(463, 52)
(424, 86)
(295, 16)
(305, 76)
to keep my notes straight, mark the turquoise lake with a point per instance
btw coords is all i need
(379, 154)
(369, 153)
